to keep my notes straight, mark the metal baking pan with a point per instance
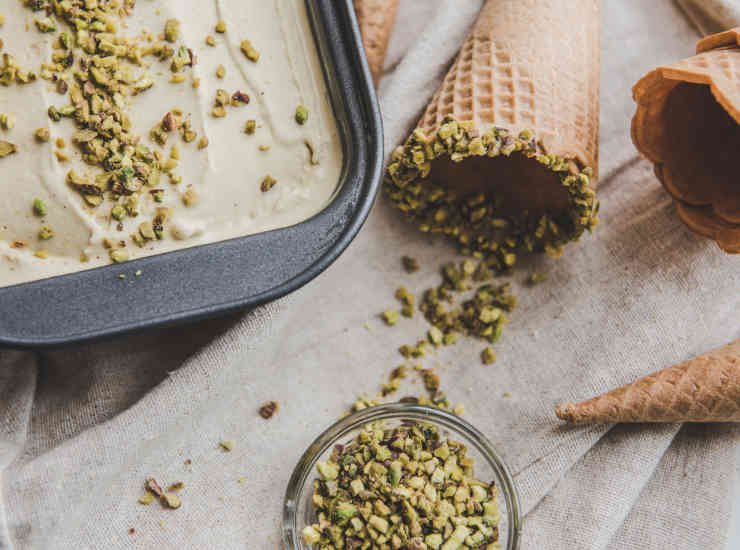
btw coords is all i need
(214, 279)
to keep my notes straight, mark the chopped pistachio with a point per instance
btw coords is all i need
(488, 356)
(410, 265)
(264, 147)
(46, 233)
(7, 148)
(365, 498)
(536, 278)
(42, 254)
(60, 143)
(196, 83)
(267, 184)
(210, 40)
(61, 157)
(220, 27)
(250, 127)
(171, 30)
(268, 409)
(190, 197)
(220, 71)
(249, 50)
(203, 143)
(227, 445)
(119, 256)
(171, 500)
(39, 207)
(390, 317)
(47, 24)
(301, 115)
(147, 499)
(7, 121)
(218, 112)
(177, 79)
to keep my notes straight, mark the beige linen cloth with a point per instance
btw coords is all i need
(81, 428)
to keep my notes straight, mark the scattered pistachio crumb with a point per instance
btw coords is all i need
(42, 254)
(60, 143)
(196, 82)
(264, 147)
(268, 409)
(249, 50)
(410, 265)
(7, 148)
(138, 273)
(61, 157)
(190, 197)
(220, 71)
(39, 207)
(203, 143)
(536, 278)
(390, 317)
(301, 115)
(42, 135)
(459, 410)
(227, 446)
(250, 127)
(7, 121)
(488, 356)
(267, 184)
(46, 233)
(210, 40)
(171, 500)
(177, 79)
(218, 112)
(147, 499)
(220, 27)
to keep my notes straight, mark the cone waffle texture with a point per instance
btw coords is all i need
(529, 65)
(376, 18)
(524, 87)
(703, 389)
(707, 192)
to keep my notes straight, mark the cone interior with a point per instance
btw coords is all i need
(521, 184)
(700, 151)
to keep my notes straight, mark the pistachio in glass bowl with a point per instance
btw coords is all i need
(401, 476)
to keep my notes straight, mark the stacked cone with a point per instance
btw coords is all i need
(376, 19)
(505, 157)
(703, 389)
(688, 124)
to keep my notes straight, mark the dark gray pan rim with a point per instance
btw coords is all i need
(213, 280)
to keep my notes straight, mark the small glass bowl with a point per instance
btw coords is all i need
(298, 509)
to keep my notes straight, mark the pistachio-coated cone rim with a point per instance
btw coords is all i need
(478, 223)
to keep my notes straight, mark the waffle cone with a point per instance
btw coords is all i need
(688, 124)
(513, 131)
(703, 389)
(376, 19)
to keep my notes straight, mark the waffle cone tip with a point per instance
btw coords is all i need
(703, 389)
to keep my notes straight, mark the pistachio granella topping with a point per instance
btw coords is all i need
(404, 487)
(46, 233)
(480, 226)
(100, 70)
(220, 27)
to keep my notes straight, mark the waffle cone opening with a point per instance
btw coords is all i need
(701, 145)
(496, 194)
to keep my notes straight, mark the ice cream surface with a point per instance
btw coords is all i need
(256, 144)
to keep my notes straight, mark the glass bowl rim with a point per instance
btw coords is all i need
(388, 411)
